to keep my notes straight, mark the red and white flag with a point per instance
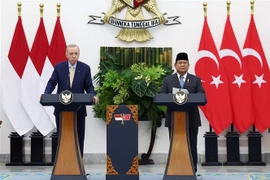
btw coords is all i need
(56, 53)
(30, 96)
(238, 79)
(218, 109)
(118, 117)
(57, 49)
(11, 81)
(256, 63)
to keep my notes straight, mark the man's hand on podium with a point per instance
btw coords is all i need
(96, 99)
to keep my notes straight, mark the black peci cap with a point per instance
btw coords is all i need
(181, 56)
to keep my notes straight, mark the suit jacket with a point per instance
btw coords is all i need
(193, 85)
(82, 81)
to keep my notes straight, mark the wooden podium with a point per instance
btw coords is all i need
(179, 164)
(68, 163)
(122, 142)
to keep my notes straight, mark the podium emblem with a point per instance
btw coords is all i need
(180, 97)
(66, 97)
(122, 117)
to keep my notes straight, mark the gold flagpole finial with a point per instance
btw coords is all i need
(41, 9)
(205, 8)
(228, 7)
(19, 4)
(58, 9)
(252, 2)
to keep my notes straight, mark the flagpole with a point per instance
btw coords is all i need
(211, 147)
(228, 14)
(254, 137)
(252, 2)
(36, 137)
(232, 137)
(19, 9)
(17, 55)
(205, 15)
(41, 10)
(58, 5)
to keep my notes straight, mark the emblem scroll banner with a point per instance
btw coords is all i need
(134, 27)
(149, 23)
(172, 20)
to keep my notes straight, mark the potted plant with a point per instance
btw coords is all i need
(136, 85)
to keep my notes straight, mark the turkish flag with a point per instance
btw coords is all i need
(126, 117)
(58, 44)
(258, 69)
(218, 109)
(238, 80)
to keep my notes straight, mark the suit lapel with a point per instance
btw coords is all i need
(176, 82)
(186, 81)
(65, 71)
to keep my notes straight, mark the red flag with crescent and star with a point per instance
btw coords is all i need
(218, 110)
(255, 60)
(238, 79)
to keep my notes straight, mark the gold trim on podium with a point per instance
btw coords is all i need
(110, 168)
(180, 158)
(134, 110)
(134, 170)
(109, 112)
(68, 159)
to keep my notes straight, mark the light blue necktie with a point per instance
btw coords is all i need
(182, 81)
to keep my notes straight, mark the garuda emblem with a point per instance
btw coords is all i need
(180, 97)
(66, 97)
(134, 26)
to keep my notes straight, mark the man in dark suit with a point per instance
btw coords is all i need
(74, 76)
(182, 79)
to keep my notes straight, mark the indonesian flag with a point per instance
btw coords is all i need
(58, 44)
(238, 80)
(258, 69)
(218, 109)
(30, 83)
(11, 81)
(56, 53)
(118, 117)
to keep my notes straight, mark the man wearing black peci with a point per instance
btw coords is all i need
(183, 79)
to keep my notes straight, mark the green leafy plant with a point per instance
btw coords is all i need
(136, 85)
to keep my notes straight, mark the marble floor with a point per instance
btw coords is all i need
(156, 168)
